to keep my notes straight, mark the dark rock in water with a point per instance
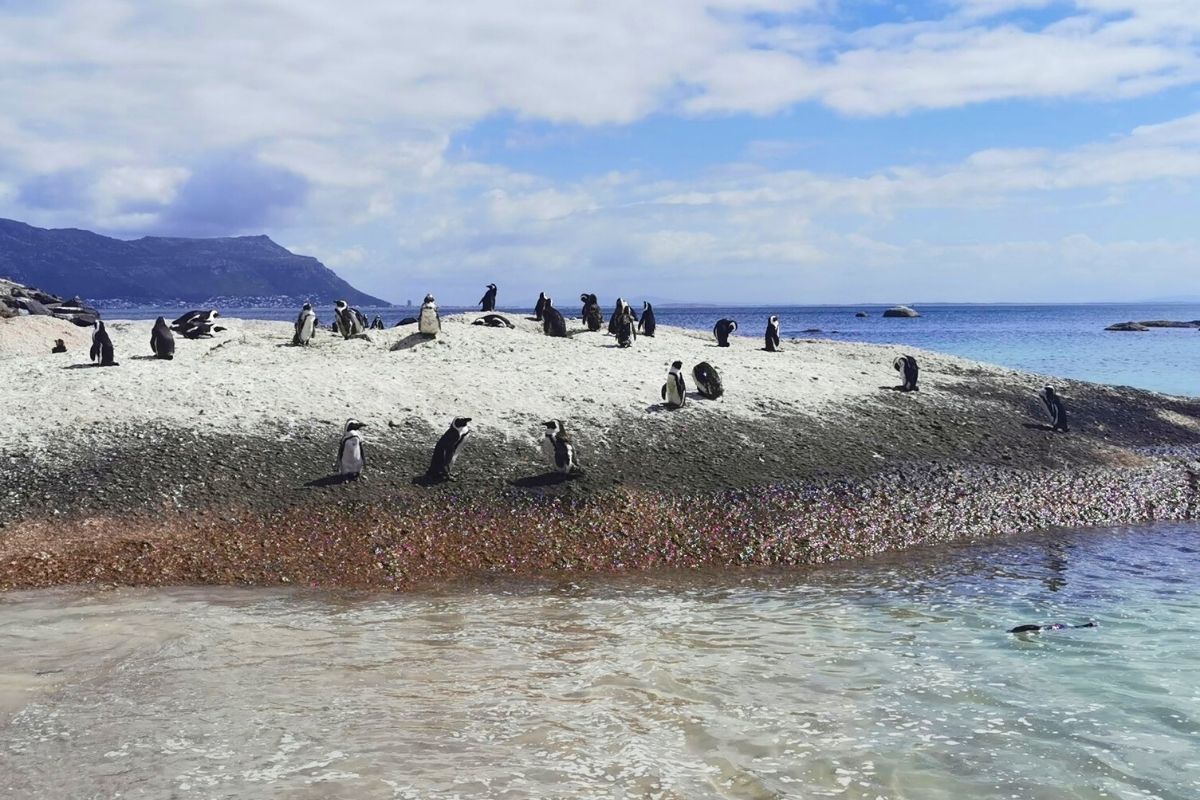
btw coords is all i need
(812, 330)
(901, 311)
(862, 314)
(1127, 326)
(1168, 323)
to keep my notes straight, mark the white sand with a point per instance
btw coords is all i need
(248, 378)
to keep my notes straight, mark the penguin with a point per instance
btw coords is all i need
(722, 330)
(626, 330)
(377, 323)
(446, 451)
(674, 391)
(162, 341)
(193, 317)
(201, 330)
(488, 301)
(772, 335)
(346, 320)
(59, 346)
(429, 323)
(553, 323)
(618, 313)
(352, 455)
(102, 346)
(306, 326)
(557, 447)
(494, 321)
(593, 317)
(1057, 626)
(1058, 411)
(907, 367)
(541, 304)
(647, 323)
(708, 380)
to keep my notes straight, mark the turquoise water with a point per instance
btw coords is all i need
(886, 680)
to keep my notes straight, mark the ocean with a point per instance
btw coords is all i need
(1054, 340)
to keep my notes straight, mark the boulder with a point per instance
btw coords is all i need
(1167, 323)
(862, 314)
(1127, 326)
(901, 311)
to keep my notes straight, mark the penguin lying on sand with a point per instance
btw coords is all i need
(708, 380)
(494, 321)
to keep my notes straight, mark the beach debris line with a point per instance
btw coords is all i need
(908, 369)
(724, 328)
(1056, 626)
(352, 454)
(674, 391)
(1058, 410)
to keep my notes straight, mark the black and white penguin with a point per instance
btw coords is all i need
(1058, 411)
(429, 322)
(772, 334)
(647, 323)
(907, 367)
(446, 451)
(59, 346)
(102, 346)
(352, 455)
(162, 341)
(553, 323)
(708, 380)
(593, 317)
(201, 330)
(494, 321)
(626, 330)
(674, 391)
(377, 323)
(557, 447)
(306, 326)
(194, 317)
(722, 330)
(347, 321)
(488, 301)
(618, 313)
(541, 304)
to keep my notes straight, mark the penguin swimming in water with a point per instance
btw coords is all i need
(446, 451)
(647, 323)
(488, 301)
(352, 455)
(674, 391)
(722, 330)
(708, 380)
(162, 341)
(907, 367)
(306, 326)
(626, 330)
(1058, 411)
(429, 322)
(557, 447)
(553, 323)
(772, 334)
(593, 317)
(494, 321)
(102, 346)
(1057, 626)
(541, 304)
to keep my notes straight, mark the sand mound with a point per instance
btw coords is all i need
(35, 335)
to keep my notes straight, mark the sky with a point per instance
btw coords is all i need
(738, 151)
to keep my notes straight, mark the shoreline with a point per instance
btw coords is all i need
(209, 469)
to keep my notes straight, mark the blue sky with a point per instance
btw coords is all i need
(735, 150)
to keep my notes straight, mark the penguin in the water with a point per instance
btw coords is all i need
(626, 330)
(647, 323)
(102, 346)
(306, 326)
(541, 305)
(162, 341)
(553, 323)
(59, 346)
(429, 322)
(674, 391)
(593, 317)
(1058, 411)
(488, 301)
(722, 330)
(557, 447)
(1057, 626)
(494, 321)
(352, 455)
(446, 451)
(772, 334)
(908, 369)
(708, 380)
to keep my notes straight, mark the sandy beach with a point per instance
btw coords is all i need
(213, 467)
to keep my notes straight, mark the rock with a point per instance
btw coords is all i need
(901, 311)
(1127, 326)
(862, 314)
(1168, 323)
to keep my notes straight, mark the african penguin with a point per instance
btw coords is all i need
(593, 317)
(446, 451)
(626, 330)
(346, 321)
(674, 391)
(907, 367)
(557, 447)
(195, 316)
(1058, 411)
(647, 323)
(306, 326)
(429, 322)
(618, 313)
(201, 330)
(722, 331)
(162, 341)
(377, 323)
(494, 321)
(541, 304)
(772, 334)
(102, 346)
(488, 301)
(352, 455)
(553, 323)
(708, 380)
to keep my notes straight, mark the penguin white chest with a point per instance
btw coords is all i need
(350, 460)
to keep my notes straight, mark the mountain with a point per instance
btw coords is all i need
(156, 269)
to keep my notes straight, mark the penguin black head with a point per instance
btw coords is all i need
(774, 319)
(307, 307)
(1048, 390)
(548, 302)
(645, 306)
(341, 305)
(676, 365)
(553, 427)
(491, 286)
(353, 425)
(460, 422)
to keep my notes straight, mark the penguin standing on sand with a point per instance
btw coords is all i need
(488, 301)
(1058, 411)
(541, 304)
(446, 451)
(102, 346)
(553, 323)
(557, 447)
(377, 323)
(708, 380)
(626, 330)
(647, 323)
(352, 455)
(617, 315)
(772, 335)
(593, 317)
(907, 367)
(306, 326)
(346, 321)
(722, 330)
(674, 391)
(162, 341)
(429, 323)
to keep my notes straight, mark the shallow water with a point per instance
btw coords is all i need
(893, 679)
